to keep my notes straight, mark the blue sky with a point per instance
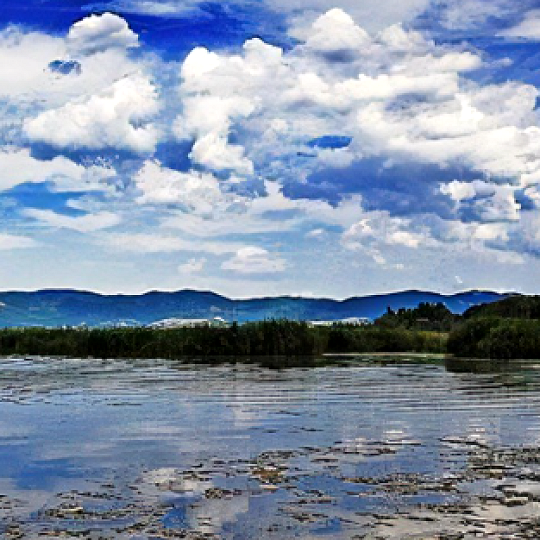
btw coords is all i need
(315, 147)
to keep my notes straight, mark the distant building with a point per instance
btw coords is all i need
(321, 323)
(217, 322)
(351, 321)
(356, 321)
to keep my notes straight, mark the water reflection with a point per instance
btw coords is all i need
(470, 365)
(244, 451)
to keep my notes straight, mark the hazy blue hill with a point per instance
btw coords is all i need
(375, 306)
(68, 307)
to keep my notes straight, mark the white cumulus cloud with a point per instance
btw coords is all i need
(97, 33)
(29, 84)
(398, 95)
(17, 166)
(336, 35)
(197, 192)
(118, 117)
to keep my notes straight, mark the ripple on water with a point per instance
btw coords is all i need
(246, 452)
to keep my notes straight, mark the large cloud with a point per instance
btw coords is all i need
(398, 96)
(118, 117)
(17, 166)
(30, 80)
(97, 33)
(202, 73)
(271, 212)
(336, 36)
(23, 61)
(195, 192)
(64, 93)
(100, 101)
(246, 149)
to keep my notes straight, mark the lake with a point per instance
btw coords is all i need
(385, 448)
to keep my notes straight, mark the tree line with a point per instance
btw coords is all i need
(273, 338)
(506, 329)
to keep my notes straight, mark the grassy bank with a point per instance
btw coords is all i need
(429, 329)
(263, 339)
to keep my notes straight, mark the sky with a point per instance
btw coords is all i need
(266, 147)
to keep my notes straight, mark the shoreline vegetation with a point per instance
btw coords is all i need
(509, 329)
(280, 338)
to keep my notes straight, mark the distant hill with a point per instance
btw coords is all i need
(513, 307)
(72, 308)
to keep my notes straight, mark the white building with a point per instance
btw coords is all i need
(189, 323)
(351, 321)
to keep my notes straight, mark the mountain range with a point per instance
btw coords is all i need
(72, 308)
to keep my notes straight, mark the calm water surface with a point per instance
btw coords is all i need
(154, 449)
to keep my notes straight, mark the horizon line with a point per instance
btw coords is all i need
(263, 297)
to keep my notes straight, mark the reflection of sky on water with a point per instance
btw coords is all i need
(66, 423)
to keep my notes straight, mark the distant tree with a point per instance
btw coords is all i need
(496, 338)
(429, 317)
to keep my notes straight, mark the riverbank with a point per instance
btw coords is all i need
(365, 355)
(476, 338)
(286, 339)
